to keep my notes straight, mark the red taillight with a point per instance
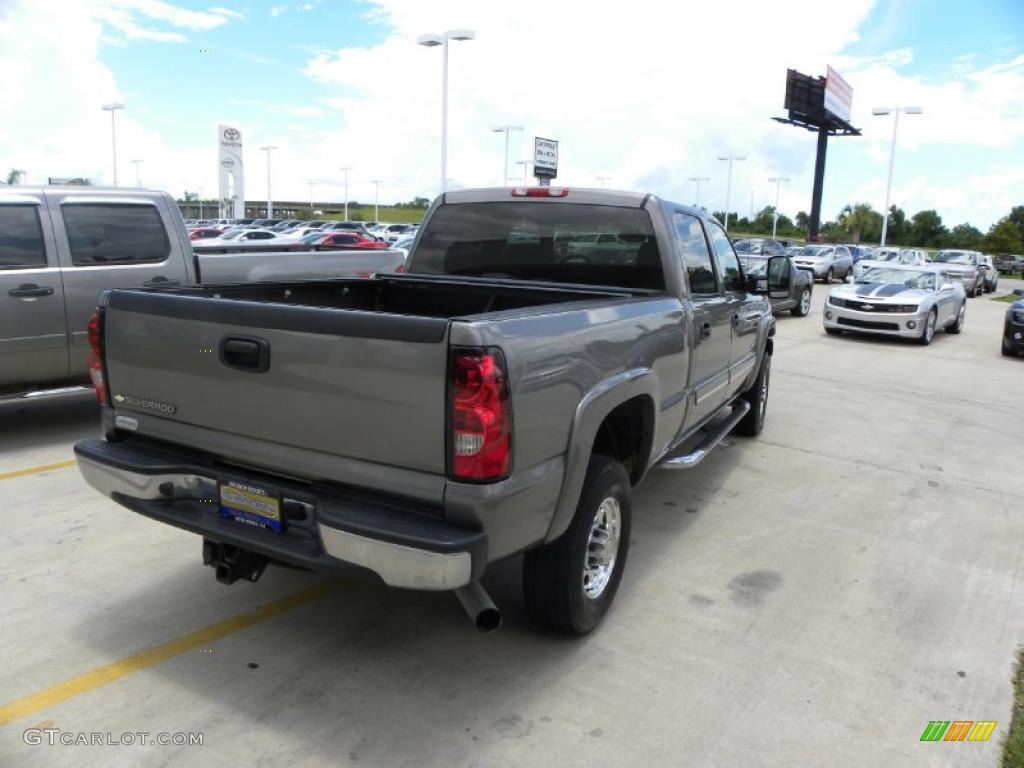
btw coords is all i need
(540, 191)
(481, 430)
(96, 372)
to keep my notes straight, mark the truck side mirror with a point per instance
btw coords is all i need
(778, 277)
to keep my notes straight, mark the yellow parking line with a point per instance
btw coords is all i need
(37, 470)
(61, 692)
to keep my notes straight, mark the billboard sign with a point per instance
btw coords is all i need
(229, 160)
(838, 95)
(545, 157)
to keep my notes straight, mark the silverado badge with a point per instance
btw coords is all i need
(143, 404)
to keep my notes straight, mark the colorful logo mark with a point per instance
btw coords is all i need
(958, 730)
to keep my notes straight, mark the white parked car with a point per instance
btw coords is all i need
(891, 257)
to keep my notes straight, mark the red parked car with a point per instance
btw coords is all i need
(345, 240)
(203, 233)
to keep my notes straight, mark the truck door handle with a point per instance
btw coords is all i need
(245, 353)
(705, 330)
(30, 290)
(160, 282)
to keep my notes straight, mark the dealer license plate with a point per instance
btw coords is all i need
(250, 505)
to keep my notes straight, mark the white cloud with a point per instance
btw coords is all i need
(650, 98)
(133, 18)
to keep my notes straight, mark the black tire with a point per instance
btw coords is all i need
(1006, 350)
(553, 580)
(752, 424)
(958, 325)
(827, 279)
(802, 308)
(833, 331)
(927, 335)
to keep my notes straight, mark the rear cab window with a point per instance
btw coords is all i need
(587, 244)
(115, 233)
(21, 237)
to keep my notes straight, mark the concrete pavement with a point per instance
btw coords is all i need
(813, 596)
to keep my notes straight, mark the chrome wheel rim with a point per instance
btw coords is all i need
(929, 328)
(602, 548)
(805, 302)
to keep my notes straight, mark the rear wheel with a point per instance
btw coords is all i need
(804, 305)
(958, 324)
(752, 424)
(928, 331)
(570, 583)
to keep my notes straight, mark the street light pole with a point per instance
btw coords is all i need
(895, 111)
(312, 186)
(526, 170)
(345, 170)
(603, 179)
(200, 191)
(506, 129)
(430, 41)
(728, 184)
(138, 181)
(270, 205)
(112, 108)
(699, 179)
(376, 200)
(775, 218)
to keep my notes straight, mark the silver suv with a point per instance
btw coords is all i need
(825, 261)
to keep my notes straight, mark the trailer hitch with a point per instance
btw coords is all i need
(232, 562)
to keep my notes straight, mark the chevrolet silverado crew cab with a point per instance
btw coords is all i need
(61, 247)
(501, 397)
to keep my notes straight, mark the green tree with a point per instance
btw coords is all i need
(1003, 238)
(897, 230)
(803, 221)
(926, 229)
(190, 196)
(14, 176)
(762, 222)
(964, 236)
(860, 222)
(1017, 217)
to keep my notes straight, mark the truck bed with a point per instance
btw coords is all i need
(343, 372)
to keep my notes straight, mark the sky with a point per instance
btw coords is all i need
(648, 98)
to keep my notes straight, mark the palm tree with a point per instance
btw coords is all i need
(859, 221)
(15, 176)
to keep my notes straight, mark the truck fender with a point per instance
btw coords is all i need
(765, 345)
(592, 410)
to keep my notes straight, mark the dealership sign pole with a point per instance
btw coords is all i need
(230, 172)
(545, 160)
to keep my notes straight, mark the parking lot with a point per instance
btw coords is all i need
(815, 595)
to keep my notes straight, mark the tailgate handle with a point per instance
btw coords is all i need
(245, 354)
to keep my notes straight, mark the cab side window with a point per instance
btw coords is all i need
(696, 256)
(21, 237)
(728, 264)
(100, 233)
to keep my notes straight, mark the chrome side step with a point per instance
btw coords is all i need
(698, 454)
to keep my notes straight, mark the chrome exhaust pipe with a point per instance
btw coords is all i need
(478, 604)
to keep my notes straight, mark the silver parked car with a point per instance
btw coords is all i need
(891, 257)
(910, 302)
(964, 266)
(825, 261)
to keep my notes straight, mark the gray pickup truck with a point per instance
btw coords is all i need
(501, 397)
(61, 247)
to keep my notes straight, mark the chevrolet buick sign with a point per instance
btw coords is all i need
(545, 157)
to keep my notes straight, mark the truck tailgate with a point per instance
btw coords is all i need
(356, 384)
